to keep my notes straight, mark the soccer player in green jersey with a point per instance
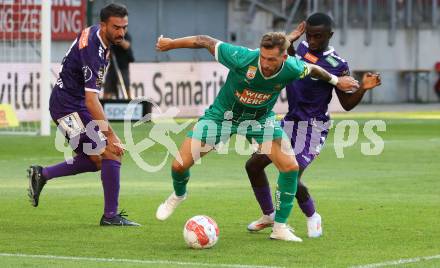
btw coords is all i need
(244, 106)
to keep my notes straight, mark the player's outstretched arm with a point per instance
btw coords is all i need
(198, 41)
(344, 83)
(349, 101)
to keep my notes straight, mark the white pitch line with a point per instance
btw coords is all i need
(92, 259)
(398, 262)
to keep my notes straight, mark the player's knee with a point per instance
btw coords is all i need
(251, 166)
(97, 160)
(257, 163)
(289, 167)
(107, 154)
(178, 167)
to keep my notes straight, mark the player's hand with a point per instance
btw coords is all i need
(347, 83)
(114, 145)
(371, 80)
(299, 30)
(164, 43)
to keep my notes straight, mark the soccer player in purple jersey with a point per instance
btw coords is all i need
(307, 121)
(74, 106)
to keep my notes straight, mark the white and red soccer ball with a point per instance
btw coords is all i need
(200, 232)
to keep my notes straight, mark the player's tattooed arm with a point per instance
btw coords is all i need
(198, 41)
(206, 41)
(344, 83)
(349, 101)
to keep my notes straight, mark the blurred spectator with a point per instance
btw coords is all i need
(122, 55)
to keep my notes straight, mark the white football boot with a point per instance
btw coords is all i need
(314, 226)
(167, 208)
(262, 223)
(282, 231)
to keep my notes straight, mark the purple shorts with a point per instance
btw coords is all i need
(306, 138)
(81, 131)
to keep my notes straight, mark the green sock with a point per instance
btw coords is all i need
(285, 195)
(179, 182)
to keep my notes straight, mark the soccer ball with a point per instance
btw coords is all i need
(200, 232)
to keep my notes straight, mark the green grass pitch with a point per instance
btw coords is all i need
(375, 208)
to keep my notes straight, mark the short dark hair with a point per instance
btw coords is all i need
(275, 40)
(318, 19)
(113, 10)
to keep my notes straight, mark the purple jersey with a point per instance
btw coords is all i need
(83, 69)
(308, 98)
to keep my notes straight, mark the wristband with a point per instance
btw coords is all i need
(334, 80)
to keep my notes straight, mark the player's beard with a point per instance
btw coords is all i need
(115, 40)
(119, 40)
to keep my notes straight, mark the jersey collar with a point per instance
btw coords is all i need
(99, 37)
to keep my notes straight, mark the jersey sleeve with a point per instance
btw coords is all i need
(91, 69)
(343, 70)
(90, 64)
(298, 69)
(231, 56)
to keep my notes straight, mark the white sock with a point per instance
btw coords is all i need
(314, 214)
(277, 225)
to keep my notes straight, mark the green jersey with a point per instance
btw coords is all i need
(247, 92)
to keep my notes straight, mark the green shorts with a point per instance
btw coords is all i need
(213, 129)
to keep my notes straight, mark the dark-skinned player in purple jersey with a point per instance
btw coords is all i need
(307, 121)
(75, 108)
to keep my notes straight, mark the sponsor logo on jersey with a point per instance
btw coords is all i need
(337, 57)
(251, 97)
(84, 38)
(311, 58)
(332, 61)
(252, 70)
(278, 86)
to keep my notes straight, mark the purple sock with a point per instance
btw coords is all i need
(308, 207)
(81, 163)
(264, 198)
(110, 172)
